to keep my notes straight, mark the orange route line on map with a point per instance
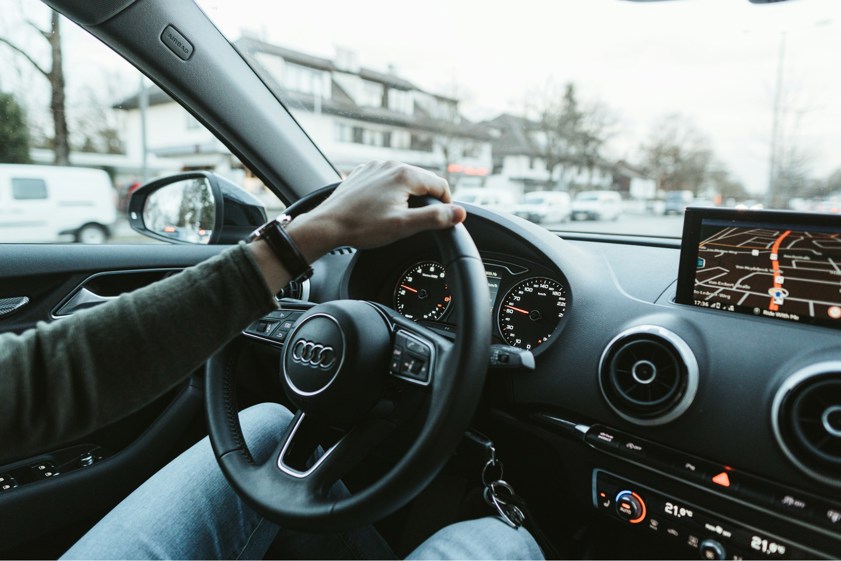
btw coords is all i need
(775, 263)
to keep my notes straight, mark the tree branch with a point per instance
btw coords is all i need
(41, 32)
(25, 55)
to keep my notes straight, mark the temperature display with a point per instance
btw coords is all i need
(678, 511)
(767, 547)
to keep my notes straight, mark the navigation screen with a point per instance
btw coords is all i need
(781, 270)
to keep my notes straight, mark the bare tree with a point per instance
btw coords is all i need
(677, 154)
(96, 128)
(558, 121)
(724, 183)
(569, 134)
(54, 73)
(599, 124)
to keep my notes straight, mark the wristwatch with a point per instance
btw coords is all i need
(284, 247)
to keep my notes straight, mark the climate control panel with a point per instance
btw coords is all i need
(712, 536)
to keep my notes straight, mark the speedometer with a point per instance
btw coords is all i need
(422, 292)
(531, 311)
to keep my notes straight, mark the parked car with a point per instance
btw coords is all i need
(677, 201)
(597, 205)
(54, 203)
(544, 207)
(497, 200)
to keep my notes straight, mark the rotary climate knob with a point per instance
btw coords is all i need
(630, 507)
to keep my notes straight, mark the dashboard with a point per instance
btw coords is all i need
(713, 432)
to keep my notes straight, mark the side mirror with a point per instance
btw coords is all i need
(197, 207)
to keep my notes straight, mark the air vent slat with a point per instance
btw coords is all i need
(648, 375)
(807, 420)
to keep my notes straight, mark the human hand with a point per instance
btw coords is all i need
(370, 209)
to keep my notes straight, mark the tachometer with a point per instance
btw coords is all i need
(531, 311)
(422, 292)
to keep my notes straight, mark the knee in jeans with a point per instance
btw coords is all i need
(263, 425)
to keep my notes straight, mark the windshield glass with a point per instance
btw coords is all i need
(719, 102)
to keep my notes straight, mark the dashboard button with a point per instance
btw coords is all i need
(603, 437)
(691, 468)
(711, 549)
(827, 515)
(630, 507)
(794, 504)
(634, 448)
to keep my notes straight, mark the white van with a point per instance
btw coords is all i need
(542, 207)
(54, 203)
(497, 200)
(597, 205)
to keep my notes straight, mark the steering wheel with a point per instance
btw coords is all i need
(338, 368)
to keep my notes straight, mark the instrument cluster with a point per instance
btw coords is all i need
(528, 306)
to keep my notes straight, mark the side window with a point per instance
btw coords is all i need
(28, 189)
(113, 132)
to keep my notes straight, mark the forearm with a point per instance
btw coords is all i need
(63, 380)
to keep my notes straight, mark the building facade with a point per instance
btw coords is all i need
(354, 114)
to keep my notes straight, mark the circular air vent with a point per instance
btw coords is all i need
(807, 420)
(648, 375)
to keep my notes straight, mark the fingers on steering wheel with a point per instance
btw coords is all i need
(422, 182)
(434, 216)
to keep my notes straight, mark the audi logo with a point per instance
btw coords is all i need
(313, 354)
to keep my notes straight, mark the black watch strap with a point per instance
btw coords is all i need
(284, 248)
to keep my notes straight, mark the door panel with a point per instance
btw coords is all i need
(52, 278)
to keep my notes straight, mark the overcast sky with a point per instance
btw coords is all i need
(712, 60)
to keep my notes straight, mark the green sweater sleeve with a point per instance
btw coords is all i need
(65, 379)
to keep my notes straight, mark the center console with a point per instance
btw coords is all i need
(813, 522)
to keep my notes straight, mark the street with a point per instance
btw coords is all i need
(627, 223)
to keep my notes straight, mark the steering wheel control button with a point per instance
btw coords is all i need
(411, 358)
(630, 507)
(262, 327)
(396, 360)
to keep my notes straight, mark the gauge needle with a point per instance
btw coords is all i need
(409, 288)
(517, 309)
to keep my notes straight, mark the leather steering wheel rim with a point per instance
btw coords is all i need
(453, 394)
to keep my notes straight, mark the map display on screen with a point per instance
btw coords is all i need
(769, 270)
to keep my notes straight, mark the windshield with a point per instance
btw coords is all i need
(729, 101)
(667, 104)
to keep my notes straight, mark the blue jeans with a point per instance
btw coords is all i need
(188, 511)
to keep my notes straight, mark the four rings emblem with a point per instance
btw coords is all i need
(313, 354)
